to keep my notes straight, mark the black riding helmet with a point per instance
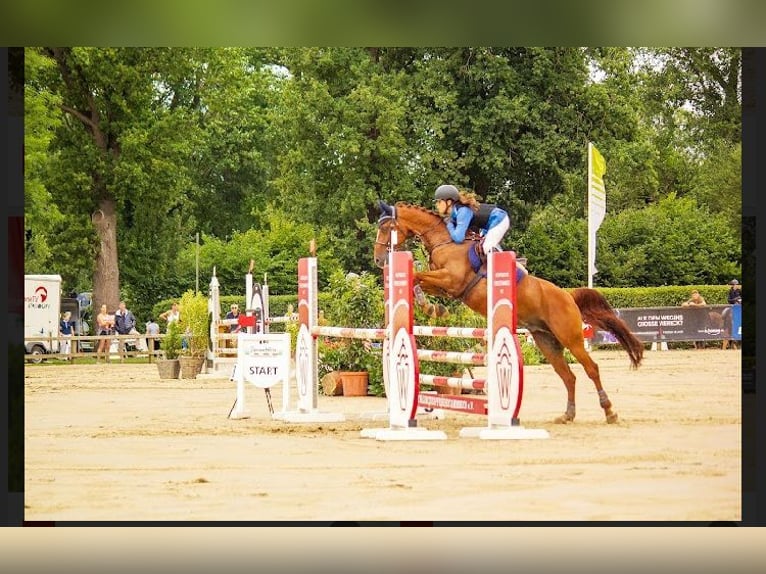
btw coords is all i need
(446, 192)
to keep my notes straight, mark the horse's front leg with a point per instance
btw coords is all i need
(433, 283)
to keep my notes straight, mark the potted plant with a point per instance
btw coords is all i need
(195, 322)
(169, 366)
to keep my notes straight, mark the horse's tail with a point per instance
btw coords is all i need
(597, 311)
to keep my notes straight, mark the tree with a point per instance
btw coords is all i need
(118, 157)
(340, 144)
(41, 120)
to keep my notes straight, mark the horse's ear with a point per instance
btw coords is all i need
(385, 209)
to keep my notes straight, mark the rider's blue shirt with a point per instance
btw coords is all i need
(461, 217)
(459, 220)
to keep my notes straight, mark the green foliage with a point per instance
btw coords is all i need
(171, 342)
(674, 241)
(261, 149)
(671, 242)
(624, 297)
(41, 214)
(195, 321)
(357, 301)
(275, 248)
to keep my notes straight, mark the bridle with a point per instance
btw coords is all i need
(394, 226)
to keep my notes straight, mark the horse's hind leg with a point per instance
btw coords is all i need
(591, 369)
(554, 353)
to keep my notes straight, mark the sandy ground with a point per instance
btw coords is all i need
(115, 442)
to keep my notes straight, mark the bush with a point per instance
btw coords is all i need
(196, 321)
(171, 342)
(356, 301)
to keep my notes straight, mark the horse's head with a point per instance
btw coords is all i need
(407, 220)
(387, 223)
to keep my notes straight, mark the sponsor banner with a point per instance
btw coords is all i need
(709, 322)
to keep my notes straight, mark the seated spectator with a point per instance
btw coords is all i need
(233, 314)
(696, 300)
(153, 330)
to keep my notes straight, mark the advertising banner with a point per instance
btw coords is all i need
(706, 323)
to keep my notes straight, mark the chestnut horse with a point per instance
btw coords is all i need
(553, 316)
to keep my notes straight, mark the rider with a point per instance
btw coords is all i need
(462, 209)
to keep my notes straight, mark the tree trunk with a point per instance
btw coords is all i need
(106, 277)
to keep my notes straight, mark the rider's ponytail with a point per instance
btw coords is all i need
(469, 198)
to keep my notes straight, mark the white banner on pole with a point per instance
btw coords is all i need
(596, 204)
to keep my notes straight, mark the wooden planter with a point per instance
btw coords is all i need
(168, 368)
(354, 383)
(191, 366)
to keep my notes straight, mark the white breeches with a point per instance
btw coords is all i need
(495, 235)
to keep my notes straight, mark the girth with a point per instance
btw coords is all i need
(471, 284)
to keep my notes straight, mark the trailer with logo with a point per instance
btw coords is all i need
(42, 313)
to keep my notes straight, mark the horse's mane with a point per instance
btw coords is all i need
(431, 212)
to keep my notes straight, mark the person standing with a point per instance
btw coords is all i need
(105, 326)
(171, 315)
(696, 300)
(734, 297)
(735, 293)
(234, 328)
(233, 314)
(124, 324)
(66, 330)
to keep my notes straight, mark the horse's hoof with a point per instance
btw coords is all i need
(563, 419)
(611, 418)
(442, 311)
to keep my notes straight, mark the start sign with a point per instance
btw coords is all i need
(263, 359)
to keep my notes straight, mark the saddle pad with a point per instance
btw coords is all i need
(476, 265)
(474, 260)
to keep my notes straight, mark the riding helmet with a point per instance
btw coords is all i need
(446, 192)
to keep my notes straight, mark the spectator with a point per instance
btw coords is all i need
(233, 314)
(696, 300)
(65, 328)
(152, 330)
(104, 326)
(172, 314)
(124, 324)
(734, 298)
(735, 292)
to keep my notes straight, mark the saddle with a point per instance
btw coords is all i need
(478, 261)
